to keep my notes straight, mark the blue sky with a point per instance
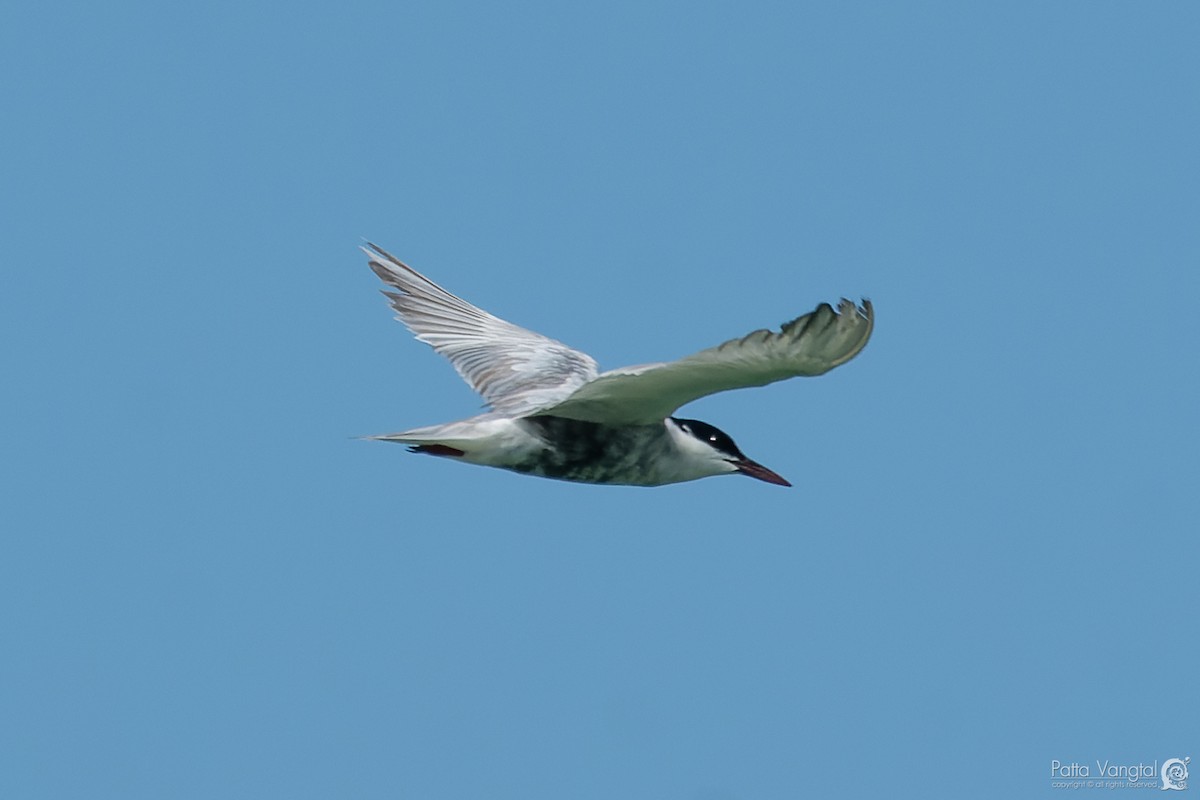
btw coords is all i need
(210, 588)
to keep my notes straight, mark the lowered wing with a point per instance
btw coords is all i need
(516, 370)
(809, 345)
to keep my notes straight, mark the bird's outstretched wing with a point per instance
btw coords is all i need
(516, 370)
(809, 345)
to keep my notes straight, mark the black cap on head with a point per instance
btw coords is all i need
(710, 434)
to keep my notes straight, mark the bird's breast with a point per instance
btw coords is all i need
(589, 452)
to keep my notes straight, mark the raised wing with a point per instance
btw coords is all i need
(810, 345)
(516, 370)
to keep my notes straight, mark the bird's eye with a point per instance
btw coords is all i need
(712, 438)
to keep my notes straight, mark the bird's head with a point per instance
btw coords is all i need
(709, 445)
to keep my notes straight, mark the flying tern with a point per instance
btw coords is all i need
(554, 414)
